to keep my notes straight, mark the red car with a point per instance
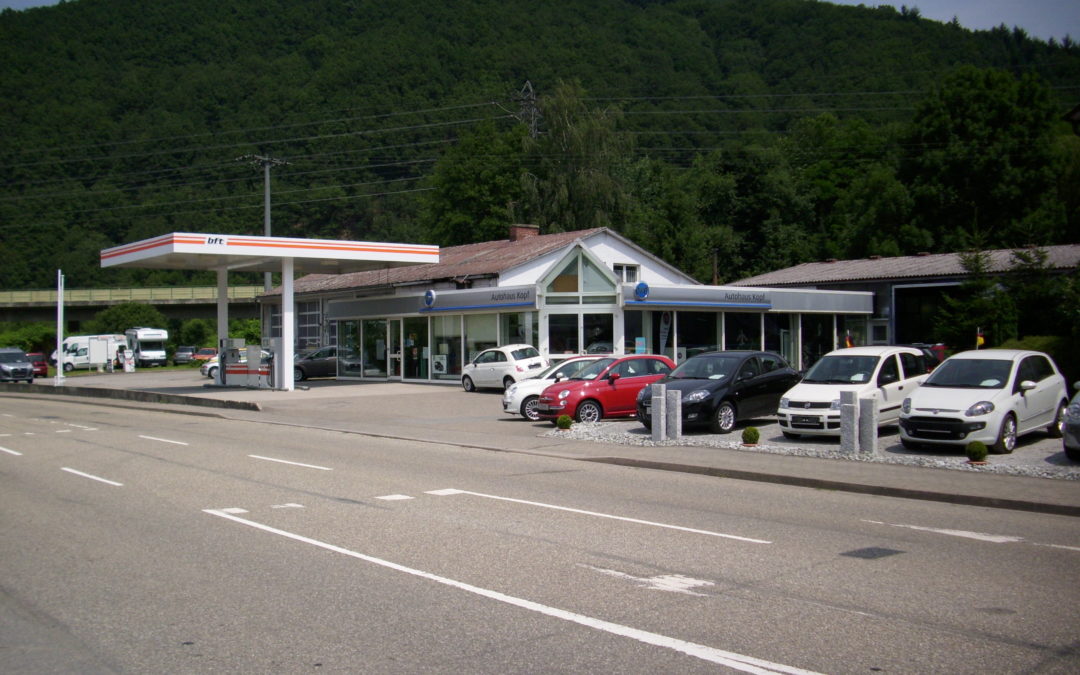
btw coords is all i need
(41, 366)
(205, 354)
(606, 388)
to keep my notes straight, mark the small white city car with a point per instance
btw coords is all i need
(988, 395)
(502, 366)
(887, 374)
(520, 398)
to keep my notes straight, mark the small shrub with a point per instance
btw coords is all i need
(564, 421)
(750, 435)
(977, 451)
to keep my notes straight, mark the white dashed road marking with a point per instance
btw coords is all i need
(163, 440)
(285, 461)
(91, 476)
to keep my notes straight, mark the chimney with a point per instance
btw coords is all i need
(519, 232)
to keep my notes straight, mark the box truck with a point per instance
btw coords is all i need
(147, 345)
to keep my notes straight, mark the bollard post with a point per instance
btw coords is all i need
(674, 415)
(868, 425)
(659, 413)
(849, 423)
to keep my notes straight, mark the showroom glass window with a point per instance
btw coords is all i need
(780, 335)
(853, 325)
(742, 330)
(350, 363)
(416, 356)
(634, 328)
(562, 334)
(519, 328)
(481, 332)
(697, 333)
(446, 354)
(374, 350)
(817, 337)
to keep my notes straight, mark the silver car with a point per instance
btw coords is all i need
(14, 365)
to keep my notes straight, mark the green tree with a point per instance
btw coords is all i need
(577, 164)
(984, 173)
(198, 333)
(980, 304)
(119, 318)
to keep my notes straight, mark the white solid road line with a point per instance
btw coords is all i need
(163, 440)
(285, 461)
(979, 536)
(11, 452)
(732, 660)
(91, 477)
(451, 491)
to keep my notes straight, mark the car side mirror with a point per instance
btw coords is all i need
(614, 376)
(886, 378)
(1027, 385)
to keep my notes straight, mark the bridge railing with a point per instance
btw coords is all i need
(163, 295)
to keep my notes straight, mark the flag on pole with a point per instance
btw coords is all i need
(979, 339)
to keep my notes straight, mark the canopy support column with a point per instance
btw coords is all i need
(283, 362)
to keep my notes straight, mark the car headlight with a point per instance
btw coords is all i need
(785, 402)
(511, 389)
(563, 394)
(835, 405)
(906, 405)
(696, 395)
(980, 408)
(1072, 413)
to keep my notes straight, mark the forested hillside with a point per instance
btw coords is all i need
(767, 131)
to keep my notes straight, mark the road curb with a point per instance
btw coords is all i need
(127, 395)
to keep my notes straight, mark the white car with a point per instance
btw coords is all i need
(888, 374)
(987, 395)
(209, 367)
(502, 366)
(520, 398)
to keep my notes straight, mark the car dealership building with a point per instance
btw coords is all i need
(589, 291)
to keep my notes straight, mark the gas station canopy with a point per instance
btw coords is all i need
(226, 253)
(241, 253)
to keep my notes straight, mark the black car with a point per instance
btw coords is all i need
(721, 388)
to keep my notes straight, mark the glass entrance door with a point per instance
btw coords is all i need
(375, 348)
(394, 349)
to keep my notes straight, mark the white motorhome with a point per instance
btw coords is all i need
(147, 345)
(88, 351)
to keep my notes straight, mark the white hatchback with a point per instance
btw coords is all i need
(887, 374)
(502, 366)
(987, 395)
(520, 398)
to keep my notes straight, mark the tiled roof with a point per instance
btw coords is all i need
(455, 262)
(904, 267)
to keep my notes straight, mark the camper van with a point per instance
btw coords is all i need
(147, 345)
(89, 351)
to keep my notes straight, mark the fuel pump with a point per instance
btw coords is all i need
(229, 352)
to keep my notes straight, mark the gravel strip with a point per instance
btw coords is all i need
(1037, 459)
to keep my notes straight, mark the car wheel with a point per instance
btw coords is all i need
(298, 375)
(68, 367)
(212, 373)
(910, 445)
(507, 381)
(790, 436)
(1057, 427)
(467, 384)
(1006, 441)
(646, 423)
(589, 411)
(723, 420)
(528, 408)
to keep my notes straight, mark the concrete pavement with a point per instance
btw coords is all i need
(446, 414)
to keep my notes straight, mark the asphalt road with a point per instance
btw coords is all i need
(143, 541)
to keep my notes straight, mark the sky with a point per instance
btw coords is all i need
(1040, 18)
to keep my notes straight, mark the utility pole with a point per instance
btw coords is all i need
(265, 161)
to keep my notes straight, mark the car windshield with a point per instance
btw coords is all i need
(591, 371)
(842, 369)
(706, 368)
(563, 369)
(970, 374)
(524, 353)
(12, 357)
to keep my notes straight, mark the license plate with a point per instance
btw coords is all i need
(805, 419)
(543, 407)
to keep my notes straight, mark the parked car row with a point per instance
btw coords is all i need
(992, 395)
